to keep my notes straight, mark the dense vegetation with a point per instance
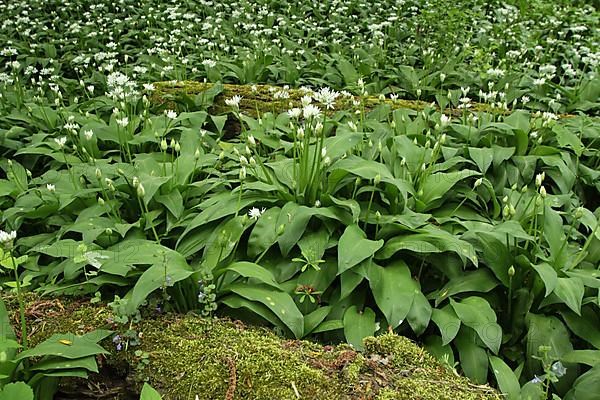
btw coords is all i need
(469, 223)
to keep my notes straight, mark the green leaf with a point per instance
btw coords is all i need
(473, 359)
(164, 272)
(235, 301)
(586, 326)
(587, 357)
(483, 157)
(149, 393)
(57, 363)
(330, 325)
(315, 318)
(546, 331)
(532, 391)
(264, 234)
(394, 290)
(570, 291)
(480, 280)
(280, 303)
(429, 240)
(65, 345)
(476, 313)
(251, 270)
(506, 378)
(447, 322)
(16, 391)
(435, 186)
(8, 343)
(586, 387)
(354, 247)
(173, 201)
(358, 325)
(420, 313)
(548, 275)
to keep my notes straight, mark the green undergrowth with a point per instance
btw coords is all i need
(223, 359)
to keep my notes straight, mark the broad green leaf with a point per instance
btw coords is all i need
(280, 303)
(586, 325)
(546, 331)
(548, 275)
(435, 186)
(429, 240)
(587, 357)
(586, 387)
(473, 359)
(173, 201)
(264, 234)
(354, 247)
(570, 291)
(58, 363)
(447, 322)
(420, 313)
(476, 313)
(358, 325)
(443, 352)
(295, 218)
(235, 301)
(330, 325)
(65, 345)
(506, 378)
(16, 391)
(394, 290)
(149, 393)
(315, 318)
(532, 391)
(166, 271)
(251, 270)
(8, 344)
(482, 156)
(480, 280)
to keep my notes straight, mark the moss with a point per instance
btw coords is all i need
(261, 99)
(222, 359)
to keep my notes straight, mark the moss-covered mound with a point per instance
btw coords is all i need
(221, 359)
(268, 98)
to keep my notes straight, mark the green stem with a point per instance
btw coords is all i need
(21, 304)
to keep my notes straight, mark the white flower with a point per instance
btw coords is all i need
(234, 101)
(88, 134)
(148, 86)
(324, 152)
(444, 120)
(7, 237)
(255, 213)
(123, 122)
(61, 141)
(311, 111)
(170, 114)
(294, 112)
(251, 140)
(50, 187)
(327, 97)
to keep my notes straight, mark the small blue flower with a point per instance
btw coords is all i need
(117, 339)
(559, 369)
(119, 347)
(536, 379)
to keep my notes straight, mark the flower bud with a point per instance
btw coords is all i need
(377, 179)
(511, 271)
(140, 190)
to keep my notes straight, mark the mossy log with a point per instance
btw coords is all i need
(189, 356)
(261, 98)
